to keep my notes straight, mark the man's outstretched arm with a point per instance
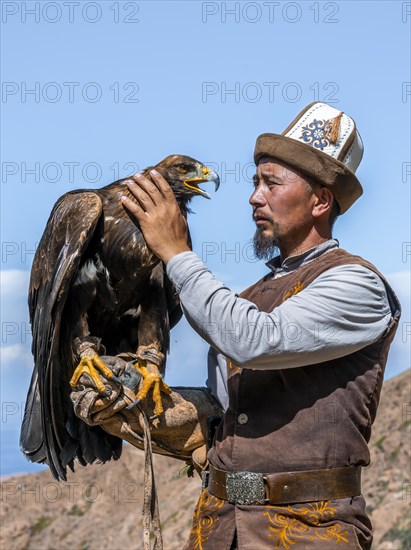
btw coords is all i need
(343, 310)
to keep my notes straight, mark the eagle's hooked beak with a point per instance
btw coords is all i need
(207, 175)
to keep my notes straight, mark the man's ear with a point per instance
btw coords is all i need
(323, 201)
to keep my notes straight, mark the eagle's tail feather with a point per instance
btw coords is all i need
(31, 435)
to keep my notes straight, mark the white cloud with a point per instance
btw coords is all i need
(14, 282)
(15, 373)
(15, 326)
(16, 353)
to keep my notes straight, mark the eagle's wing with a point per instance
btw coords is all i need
(69, 230)
(173, 303)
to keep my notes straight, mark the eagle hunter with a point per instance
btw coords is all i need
(95, 289)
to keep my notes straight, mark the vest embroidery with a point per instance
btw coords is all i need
(295, 290)
(232, 366)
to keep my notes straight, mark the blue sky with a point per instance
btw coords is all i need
(95, 91)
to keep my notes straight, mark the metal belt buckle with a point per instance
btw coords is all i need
(245, 488)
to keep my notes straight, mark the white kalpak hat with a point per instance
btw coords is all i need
(322, 143)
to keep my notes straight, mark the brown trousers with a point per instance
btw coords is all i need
(218, 525)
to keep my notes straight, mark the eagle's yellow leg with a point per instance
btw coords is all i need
(152, 379)
(90, 366)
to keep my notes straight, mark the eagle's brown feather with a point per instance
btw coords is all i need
(93, 275)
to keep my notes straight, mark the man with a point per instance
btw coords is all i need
(304, 374)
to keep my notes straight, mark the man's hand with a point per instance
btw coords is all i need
(163, 226)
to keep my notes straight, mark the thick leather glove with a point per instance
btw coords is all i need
(180, 432)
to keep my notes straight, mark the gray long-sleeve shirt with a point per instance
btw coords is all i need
(345, 309)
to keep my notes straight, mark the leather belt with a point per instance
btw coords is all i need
(250, 488)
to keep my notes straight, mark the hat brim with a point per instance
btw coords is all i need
(313, 163)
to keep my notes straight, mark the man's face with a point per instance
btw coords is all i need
(282, 206)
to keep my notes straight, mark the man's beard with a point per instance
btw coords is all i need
(280, 242)
(265, 247)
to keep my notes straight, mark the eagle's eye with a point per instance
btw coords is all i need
(184, 168)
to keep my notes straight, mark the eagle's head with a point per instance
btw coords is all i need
(184, 174)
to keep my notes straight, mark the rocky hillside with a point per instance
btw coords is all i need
(387, 482)
(100, 506)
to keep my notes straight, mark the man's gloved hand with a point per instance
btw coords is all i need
(180, 432)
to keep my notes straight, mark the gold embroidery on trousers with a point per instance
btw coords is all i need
(293, 525)
(204, 519)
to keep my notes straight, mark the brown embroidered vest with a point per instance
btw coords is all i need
(312, 417)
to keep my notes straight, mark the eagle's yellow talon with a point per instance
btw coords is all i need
(101, 366)
(155, 381)
(90, 365)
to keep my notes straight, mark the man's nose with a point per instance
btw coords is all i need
(257, 198)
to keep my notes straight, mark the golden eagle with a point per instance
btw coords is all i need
(96, 288)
